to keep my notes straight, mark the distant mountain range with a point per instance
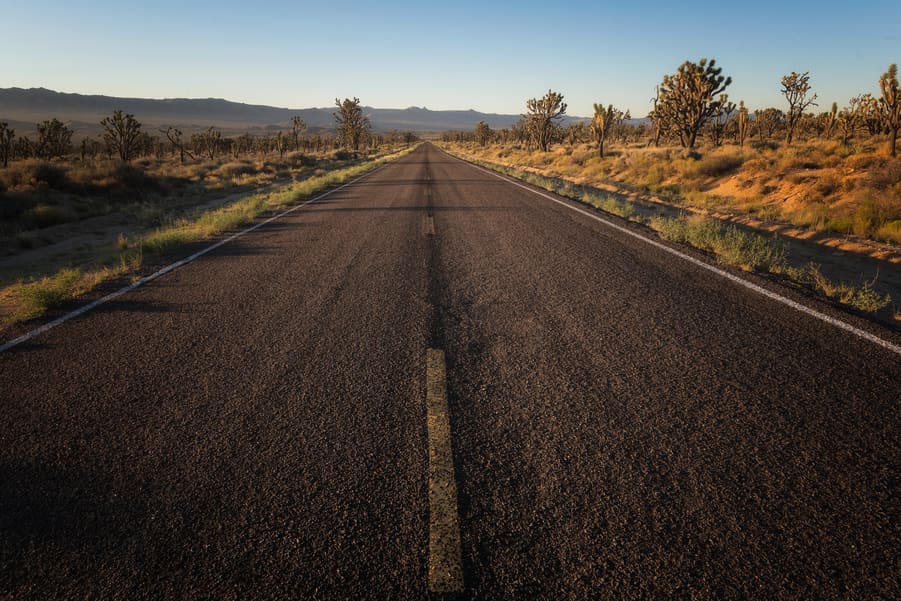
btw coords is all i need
(23, 108)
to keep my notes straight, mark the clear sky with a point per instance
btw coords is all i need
(485, 55)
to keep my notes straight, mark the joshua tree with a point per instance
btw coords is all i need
(720, 119)
(174, 137)
(657, 117)
(605, 119)
(849, 118)
(542, 116)
(742, 129)
(831, 121)
(687, 100)
(207, 142)
(297, 127)
(869, 114)
(768, 121)
(795, 88)
(6, 142)
(352, 124)
(122, 133)
(890, 105)
(54, 139)
(482, 133)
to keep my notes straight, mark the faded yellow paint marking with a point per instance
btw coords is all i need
(429, 225)
(445, 556)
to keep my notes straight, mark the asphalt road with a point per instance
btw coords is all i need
(623, 423)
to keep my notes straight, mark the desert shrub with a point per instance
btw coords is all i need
(132, 180)
(669, 228)
(890, 231)
(860, 162)
(43, 216)
(34, 173)
(764, 145)
(868, 300)
(301, 159)
(235, 169)
(113, 177)
(812, 215)
(655, 175)
(756, 166)
(866, 215)
(749, 251)
(12, 206)
(716, 165)
(26, 241)
(799, 158)
(48, 293)
(863, 298)
(828, 184)
(885, 174)
(731, 245)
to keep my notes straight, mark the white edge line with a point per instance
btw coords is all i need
(100, 301)
(729, 276)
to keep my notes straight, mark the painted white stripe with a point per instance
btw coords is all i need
(113, 295)
(729, 276)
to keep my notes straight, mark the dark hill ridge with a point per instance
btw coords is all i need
(36, 104)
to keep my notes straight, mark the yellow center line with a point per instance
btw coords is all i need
(445, 556)
(429, 225)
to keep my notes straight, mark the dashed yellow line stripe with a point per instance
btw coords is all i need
(445, 557)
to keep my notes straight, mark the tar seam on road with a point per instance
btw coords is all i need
(113, 295)
(729, 276)
(445, 554)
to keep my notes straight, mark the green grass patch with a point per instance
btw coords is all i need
(35, 298)
(732, 246)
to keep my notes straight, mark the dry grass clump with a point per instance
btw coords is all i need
(713, 165)
(235, 169)
(732, 246)
(863, 298)
(32, 173)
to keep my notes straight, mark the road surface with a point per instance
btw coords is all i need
(622, 423)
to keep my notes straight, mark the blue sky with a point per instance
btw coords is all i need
(487, 56)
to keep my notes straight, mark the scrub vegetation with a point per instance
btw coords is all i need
(75, 215)
(817, 175)
(731, 245)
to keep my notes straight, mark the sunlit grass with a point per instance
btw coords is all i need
(819, 185)
(30, 299)
(730, 244)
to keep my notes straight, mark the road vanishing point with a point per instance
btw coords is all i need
(435, 382)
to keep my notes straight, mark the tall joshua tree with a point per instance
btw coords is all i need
(742, 123)
(122, 133)
(297, 127)
(688, 99)
(482, 133)
(795, 88)
(542, 116)
(890, 105)
(352, 123)
(605, 119)
(54, 139)
(6, 142)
